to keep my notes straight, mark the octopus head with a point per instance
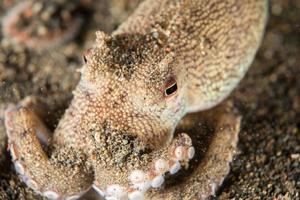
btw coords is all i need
(133, 81)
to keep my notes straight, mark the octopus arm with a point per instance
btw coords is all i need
(46, 176)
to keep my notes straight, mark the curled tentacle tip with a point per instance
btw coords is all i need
(183, 150)
(186, 139)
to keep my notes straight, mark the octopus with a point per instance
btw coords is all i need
(132, 129)
(42, 25)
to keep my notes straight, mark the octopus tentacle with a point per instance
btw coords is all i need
(165, 162)
(50, 179)
(40, 111)
(52, 38)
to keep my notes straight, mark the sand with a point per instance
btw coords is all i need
(268, 98)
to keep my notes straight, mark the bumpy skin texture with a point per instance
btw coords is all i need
(122, 117)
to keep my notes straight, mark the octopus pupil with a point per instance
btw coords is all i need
(84, 59)
(171, 89)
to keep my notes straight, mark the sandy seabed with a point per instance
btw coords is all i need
(268, 163)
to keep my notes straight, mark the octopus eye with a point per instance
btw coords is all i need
(84, 58)
(86, 54)
(171, 88)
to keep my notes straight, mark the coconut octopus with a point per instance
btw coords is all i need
(169, 58)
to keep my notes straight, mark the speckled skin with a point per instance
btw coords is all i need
(121, 118)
